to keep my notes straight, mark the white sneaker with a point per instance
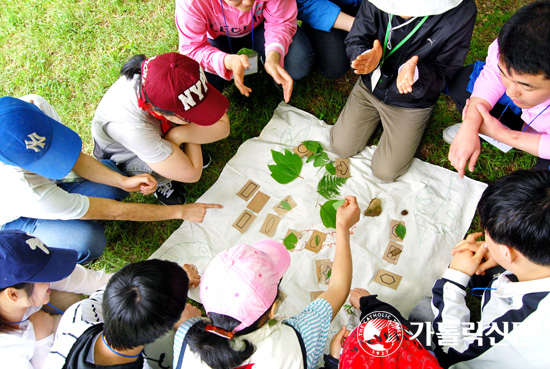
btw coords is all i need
(450, 132)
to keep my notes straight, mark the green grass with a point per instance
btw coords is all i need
(70, 52)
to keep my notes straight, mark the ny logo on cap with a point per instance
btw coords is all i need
(36, 142)
(36, 243)
(187, 99)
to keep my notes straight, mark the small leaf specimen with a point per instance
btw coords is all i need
(287, 166)
(313, 146)
(401, 231)
(374, 209)
(286, 205)
(330, 168)
(349, 309)
(290, 241)
(329, 186)
(321, 159)
(337, 204)
(328, 214)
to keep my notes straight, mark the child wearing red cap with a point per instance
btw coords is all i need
(155, 117)
(240, 293)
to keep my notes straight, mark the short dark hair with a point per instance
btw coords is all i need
(524, 40)
(142, 302)
(515, 211)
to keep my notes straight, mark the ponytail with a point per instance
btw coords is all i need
(217, 352)
(133, 66)
(5, 326)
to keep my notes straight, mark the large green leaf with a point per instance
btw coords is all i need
(287, 166)
(328, 213)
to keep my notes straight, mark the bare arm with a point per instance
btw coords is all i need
(466, 147)
(344, 21)
(91, 169)
(342, 268)
(280, 75)
(115, 210)
(182, 165)
(193, 133)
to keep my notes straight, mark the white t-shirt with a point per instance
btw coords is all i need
(26, 194)
(122, 131)
(19, 349)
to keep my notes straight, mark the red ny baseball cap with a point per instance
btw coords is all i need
(177, 83)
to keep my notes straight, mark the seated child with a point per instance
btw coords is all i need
(240, 293)
(513, 330)
(384, 339)
(518, 65)
(155, 118)
(405, 52)
(140, 304)
(29, 274)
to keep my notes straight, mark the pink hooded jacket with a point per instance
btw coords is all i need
(198, 19)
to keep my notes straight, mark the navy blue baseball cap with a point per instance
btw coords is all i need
(25, 259)
(31, 140)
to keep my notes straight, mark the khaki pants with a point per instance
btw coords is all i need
(403, 130)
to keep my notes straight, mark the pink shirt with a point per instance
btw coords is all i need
(488, 86)
(198, 19)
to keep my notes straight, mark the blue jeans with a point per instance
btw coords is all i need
(298, 60)
(136, 166)
(85, 236)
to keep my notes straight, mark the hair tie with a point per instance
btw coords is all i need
(219, 332)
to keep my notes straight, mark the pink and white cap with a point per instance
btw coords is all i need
(242, 282)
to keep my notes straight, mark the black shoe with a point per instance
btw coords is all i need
(172, 193)
(206, 159)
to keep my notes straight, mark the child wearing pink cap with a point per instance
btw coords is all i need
(240, 294)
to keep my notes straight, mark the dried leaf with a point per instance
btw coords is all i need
(374, 209)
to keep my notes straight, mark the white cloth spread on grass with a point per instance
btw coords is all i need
(440, 208)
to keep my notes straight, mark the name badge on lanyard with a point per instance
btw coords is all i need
(252, 62)
(377, 73)
(253, 55)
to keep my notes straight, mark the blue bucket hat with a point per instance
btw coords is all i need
(25, 259)
(31, 140)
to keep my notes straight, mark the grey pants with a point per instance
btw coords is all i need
(403, 130)
(136, 166)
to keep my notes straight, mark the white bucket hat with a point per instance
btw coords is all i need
(415, 8)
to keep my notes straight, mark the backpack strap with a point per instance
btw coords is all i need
(302, 345)
(182, 350)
